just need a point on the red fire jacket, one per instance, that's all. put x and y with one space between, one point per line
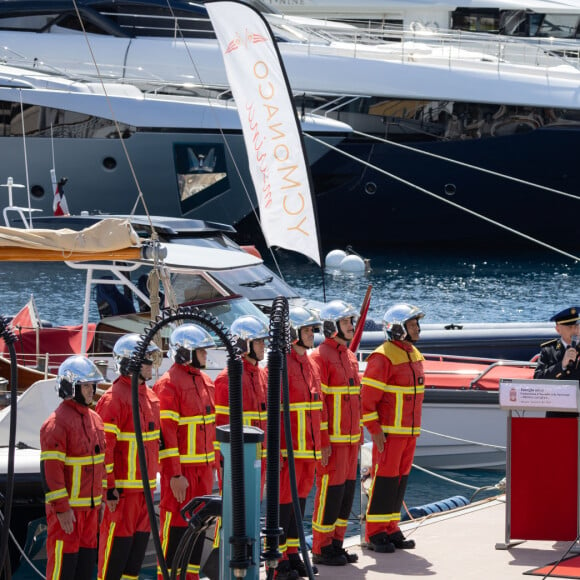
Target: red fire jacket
121 458
255 390
305 408
72 458
187 419
393 389
340 385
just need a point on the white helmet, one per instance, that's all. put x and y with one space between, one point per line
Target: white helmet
396 318
72 373
185 340
246 329
126 347
301 317
334 311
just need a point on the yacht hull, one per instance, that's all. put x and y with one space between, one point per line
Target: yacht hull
387 212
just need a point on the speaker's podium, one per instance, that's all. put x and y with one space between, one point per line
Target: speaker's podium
542 461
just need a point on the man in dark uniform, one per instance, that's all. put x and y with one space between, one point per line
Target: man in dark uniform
559 357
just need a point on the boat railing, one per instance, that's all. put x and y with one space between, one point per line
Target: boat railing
454 50
491 364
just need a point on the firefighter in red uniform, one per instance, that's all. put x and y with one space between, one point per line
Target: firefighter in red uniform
336 473
72 466
392 398
306 422
251 334
125 527
186 395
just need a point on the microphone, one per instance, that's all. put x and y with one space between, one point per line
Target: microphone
573 344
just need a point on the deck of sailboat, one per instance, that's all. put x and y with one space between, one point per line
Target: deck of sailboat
454 545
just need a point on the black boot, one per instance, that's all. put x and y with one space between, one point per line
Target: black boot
328 557
297 564
400 542
350 558
284 571
381 543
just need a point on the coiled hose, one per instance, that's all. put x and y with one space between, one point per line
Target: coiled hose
278 346
9 338
241 558
278 373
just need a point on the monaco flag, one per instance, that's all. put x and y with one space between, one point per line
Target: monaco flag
27 318
59 205
278 166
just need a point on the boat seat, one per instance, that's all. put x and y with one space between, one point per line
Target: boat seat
111 301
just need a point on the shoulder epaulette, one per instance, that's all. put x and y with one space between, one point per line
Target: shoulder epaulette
549 342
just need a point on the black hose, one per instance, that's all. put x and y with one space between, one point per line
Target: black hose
7 335
213 324
278 347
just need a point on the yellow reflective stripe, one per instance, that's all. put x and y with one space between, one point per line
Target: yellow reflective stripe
383 518
374 416
55 455
340 523
399 430
345 438
85 460
408 390
58 552
324 425
131 437
306 406
222 410
166 453
341 389
168 414
374 383
134 483
198 458
108 548
86 501
56 494
109 467
112 428
197 419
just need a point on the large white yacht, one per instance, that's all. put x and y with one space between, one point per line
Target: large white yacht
503 105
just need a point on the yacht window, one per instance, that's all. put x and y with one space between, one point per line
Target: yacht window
475 19
190 288
57 123
556 25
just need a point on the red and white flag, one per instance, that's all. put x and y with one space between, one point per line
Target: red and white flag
28 317
271 129
59 205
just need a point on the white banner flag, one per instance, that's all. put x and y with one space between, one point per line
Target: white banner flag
271 130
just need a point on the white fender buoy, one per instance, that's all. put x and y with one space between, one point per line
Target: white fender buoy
333 259
352 264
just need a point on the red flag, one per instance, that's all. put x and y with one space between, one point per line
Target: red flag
59 205
353 346
28 317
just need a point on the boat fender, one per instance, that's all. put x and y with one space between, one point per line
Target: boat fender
435 507
333 259
353 265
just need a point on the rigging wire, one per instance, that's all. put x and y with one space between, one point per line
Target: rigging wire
140 196
444 200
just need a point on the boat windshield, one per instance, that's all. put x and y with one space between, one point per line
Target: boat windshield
255 282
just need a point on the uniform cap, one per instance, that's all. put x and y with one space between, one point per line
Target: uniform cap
569 316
